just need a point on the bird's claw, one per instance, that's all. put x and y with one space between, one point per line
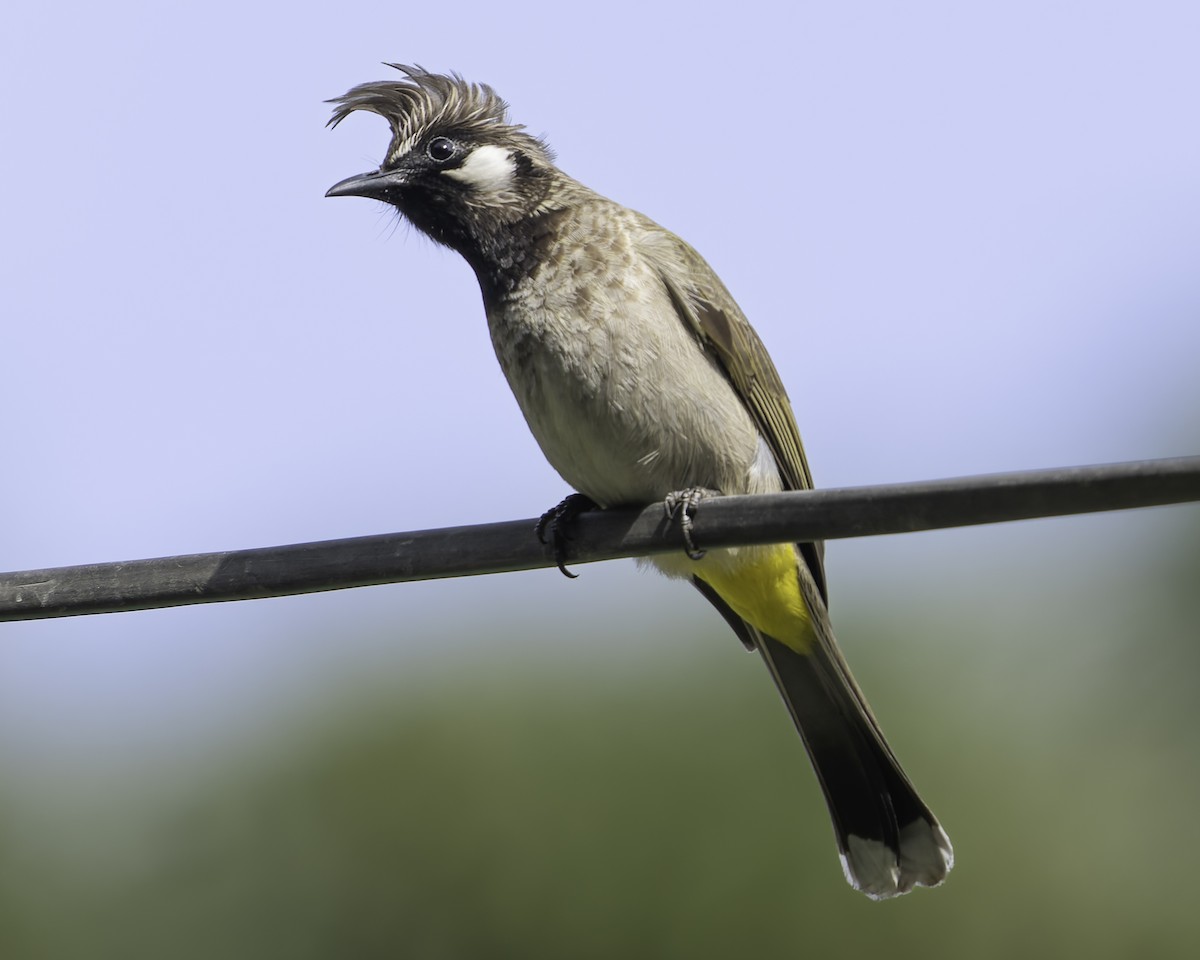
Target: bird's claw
553 527
680 505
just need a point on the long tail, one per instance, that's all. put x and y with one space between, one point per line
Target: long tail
888 839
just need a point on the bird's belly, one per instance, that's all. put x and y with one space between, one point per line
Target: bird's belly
626 410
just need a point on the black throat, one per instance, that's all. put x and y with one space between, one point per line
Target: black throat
501 241
501 249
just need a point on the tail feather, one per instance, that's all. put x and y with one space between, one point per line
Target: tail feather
888 840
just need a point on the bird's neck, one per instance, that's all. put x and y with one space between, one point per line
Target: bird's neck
504 256
503 243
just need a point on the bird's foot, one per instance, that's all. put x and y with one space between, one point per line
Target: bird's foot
553 527
680 505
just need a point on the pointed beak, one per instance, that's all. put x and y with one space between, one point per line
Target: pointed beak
376 185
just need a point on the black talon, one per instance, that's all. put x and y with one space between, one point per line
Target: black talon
680 505
557 520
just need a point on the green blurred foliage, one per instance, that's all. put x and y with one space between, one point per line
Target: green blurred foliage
499 804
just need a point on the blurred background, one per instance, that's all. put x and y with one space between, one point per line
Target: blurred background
969 235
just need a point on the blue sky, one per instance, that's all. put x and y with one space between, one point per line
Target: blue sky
969 235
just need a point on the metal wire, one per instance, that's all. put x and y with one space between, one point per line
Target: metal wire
599 535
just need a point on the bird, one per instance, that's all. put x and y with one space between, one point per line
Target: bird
642 381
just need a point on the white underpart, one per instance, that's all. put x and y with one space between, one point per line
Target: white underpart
764 471
488 169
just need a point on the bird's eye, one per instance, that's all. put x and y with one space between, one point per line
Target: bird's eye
441 149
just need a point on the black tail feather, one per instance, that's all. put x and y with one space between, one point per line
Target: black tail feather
888 839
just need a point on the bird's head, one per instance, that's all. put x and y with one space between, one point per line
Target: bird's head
456 167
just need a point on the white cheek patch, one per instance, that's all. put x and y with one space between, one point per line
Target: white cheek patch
488 168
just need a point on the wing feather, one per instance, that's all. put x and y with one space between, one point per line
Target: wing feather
707 308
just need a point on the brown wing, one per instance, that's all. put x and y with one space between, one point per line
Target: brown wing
708 309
